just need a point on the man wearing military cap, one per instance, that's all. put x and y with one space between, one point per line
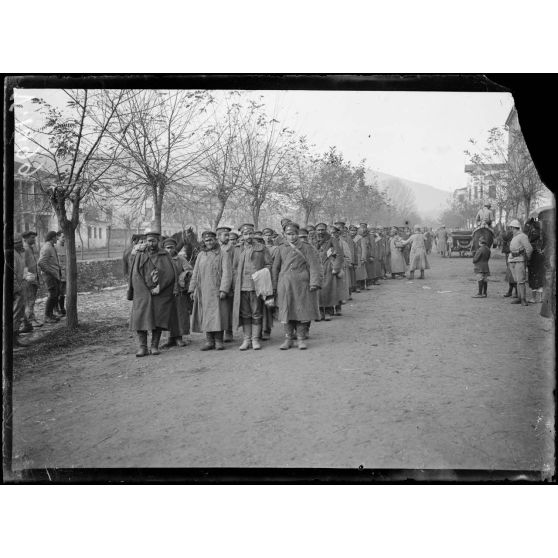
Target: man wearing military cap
50 267
183 272
152 287
32 280
209 288
331 259
247 305
223 235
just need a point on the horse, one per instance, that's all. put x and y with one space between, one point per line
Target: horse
188 242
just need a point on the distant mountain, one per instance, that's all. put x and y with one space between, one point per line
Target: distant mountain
430 200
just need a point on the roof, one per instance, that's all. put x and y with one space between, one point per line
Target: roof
485 167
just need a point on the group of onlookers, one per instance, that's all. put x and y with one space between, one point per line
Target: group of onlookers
32 269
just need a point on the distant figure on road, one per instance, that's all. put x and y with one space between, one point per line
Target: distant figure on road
442 241
485 215
398 265
417 256
482 271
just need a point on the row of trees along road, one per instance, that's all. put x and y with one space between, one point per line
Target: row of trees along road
193 154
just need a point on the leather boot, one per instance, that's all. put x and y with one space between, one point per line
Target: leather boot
247 333
142 343
228 336
170 342
301 334
209 341
510 291
337 310
155 338
256 333
289 331
219 346
479 294
421 274
485 288
411 275
523 294
266 335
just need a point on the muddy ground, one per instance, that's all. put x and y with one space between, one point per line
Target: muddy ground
413 375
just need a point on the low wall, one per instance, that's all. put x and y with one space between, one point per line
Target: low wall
94 275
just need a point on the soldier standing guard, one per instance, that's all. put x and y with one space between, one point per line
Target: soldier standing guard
520 252
152 287
247 305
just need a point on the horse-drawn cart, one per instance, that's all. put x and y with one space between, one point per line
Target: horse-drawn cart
462 242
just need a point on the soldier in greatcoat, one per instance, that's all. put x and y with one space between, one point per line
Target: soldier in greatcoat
332 262
152 287
50 267
209 288
182 301
296 277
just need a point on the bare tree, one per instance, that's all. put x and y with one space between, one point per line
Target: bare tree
518 179
161 133
221 171
75 161
264 147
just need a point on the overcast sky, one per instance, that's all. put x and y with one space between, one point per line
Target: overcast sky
419 136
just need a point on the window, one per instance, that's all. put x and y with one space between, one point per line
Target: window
89 234
476 191
94 232
492 191
100 232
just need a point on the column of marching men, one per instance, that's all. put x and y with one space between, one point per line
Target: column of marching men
246 280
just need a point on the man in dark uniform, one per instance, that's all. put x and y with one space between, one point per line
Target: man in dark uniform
152 286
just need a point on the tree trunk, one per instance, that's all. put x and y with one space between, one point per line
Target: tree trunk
527 203
220 211
71 276
256 215
307 212
157 209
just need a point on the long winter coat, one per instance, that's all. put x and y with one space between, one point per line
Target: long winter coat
345 283
360 269
153 311
212 274
295 270
260 258
329 293
228 250
480 260
182 300
417 256
354 261
48 260
397 259
376 251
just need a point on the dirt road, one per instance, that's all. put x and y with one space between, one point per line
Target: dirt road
413 375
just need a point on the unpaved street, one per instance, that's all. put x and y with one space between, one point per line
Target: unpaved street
413 375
